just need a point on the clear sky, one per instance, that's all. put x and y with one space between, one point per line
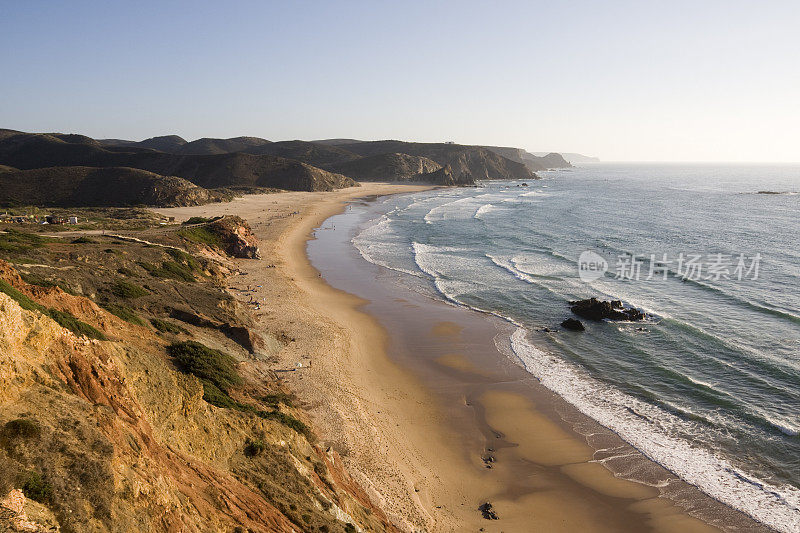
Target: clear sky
643 80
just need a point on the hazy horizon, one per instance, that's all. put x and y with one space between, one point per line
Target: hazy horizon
622 81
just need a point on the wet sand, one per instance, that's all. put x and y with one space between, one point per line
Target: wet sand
427 413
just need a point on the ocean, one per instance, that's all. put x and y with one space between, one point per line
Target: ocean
709 384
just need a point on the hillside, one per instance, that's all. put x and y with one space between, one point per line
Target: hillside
533 162
111 186
165 143
573 157
549 161
307 152
28 151
240 169
387 167
467 163
209 146
135 395
336 142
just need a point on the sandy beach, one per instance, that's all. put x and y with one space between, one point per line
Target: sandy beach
422 447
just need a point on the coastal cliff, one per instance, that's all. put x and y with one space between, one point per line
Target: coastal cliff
64 170
116 416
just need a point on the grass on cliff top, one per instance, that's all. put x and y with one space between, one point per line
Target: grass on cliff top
200 235
199 220
63 319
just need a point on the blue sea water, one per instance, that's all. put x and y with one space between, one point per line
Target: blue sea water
709 385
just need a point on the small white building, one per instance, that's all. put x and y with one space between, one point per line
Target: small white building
73 220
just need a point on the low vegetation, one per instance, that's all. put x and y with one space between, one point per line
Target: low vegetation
274 400
126 289
217 371
20 428
67 321
13 241
33 279
184 258
206 363
169 270
162 326
254 447
64 319
200 220
36 488
200 235
125 313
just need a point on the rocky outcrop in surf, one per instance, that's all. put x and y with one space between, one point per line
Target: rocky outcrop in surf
594 309
572 324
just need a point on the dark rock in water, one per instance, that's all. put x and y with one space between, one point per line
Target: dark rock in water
594 309
487 511
524 185
572 325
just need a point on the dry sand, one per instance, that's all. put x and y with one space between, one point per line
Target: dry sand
418 461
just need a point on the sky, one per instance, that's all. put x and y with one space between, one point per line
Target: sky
645 80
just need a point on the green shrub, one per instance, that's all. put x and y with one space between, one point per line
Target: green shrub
206 363
23 301
14 241
84 240
173 270
21 428
127 272
37 489
185 258
125 313
126 289
167 327
254 447
66 320
274 400
170 270
33 279
287 420
219 398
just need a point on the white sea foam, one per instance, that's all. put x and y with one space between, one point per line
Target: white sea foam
654 431
482 210
651 432
375 246
457 208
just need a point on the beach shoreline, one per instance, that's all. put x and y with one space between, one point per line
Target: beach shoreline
421 446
